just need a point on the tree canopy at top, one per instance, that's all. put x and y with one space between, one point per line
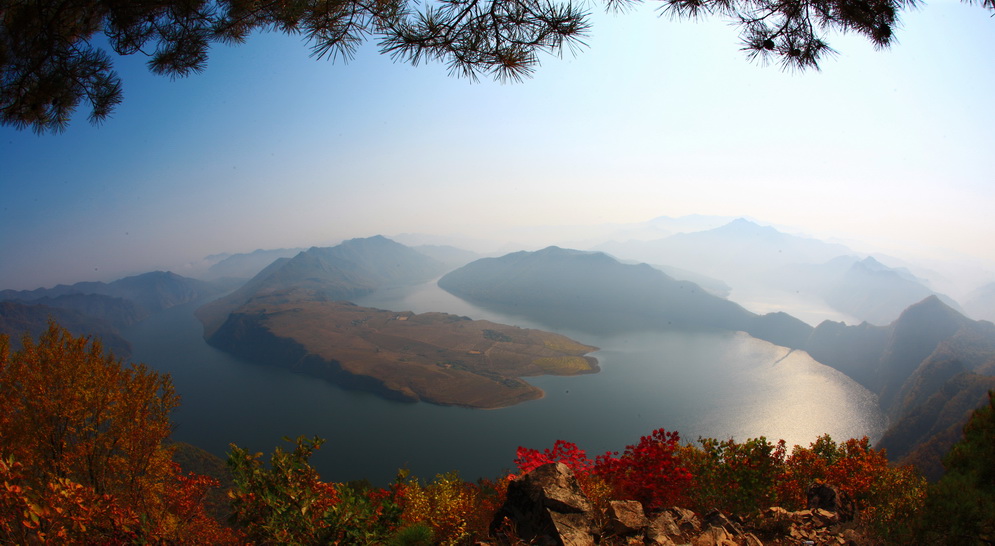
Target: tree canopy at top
49 64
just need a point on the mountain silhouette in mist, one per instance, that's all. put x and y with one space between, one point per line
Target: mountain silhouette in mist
248 265
929 368
876 293
980 303
739 249
351 269
593 292
150 292
18 319
746 255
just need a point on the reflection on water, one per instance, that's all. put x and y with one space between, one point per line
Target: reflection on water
700 384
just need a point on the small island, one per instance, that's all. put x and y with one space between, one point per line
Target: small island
438 358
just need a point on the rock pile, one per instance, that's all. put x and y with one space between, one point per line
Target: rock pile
548 507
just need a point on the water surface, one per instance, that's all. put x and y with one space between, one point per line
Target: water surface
700 384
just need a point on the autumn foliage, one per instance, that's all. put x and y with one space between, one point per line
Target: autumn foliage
84 458
648 471
83 455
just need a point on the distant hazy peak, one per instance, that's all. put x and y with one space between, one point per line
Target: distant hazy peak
872 264
934 308
589 257
350 269
150 276
744 226
362 241
556 250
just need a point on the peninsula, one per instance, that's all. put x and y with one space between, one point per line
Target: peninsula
432 357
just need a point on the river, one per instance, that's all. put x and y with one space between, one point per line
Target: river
701 384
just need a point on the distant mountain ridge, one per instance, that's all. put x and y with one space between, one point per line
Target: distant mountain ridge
746 255
592 291
97 308
351 269
248 265
18 319
749 247
876 293
931 359
930 368
151 292
980 303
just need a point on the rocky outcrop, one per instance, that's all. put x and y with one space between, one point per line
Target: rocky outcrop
548 507
829 499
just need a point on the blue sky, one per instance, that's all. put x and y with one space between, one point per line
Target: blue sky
271 148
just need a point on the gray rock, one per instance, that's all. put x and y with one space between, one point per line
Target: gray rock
547 506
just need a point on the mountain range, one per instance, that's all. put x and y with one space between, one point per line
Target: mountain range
351 269
146 293
97 308
929 367
293 314
747 256
980 303
928 364
594 292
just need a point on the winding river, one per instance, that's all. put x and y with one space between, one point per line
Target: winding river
700 384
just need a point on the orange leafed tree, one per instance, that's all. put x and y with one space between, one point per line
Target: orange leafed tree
81 436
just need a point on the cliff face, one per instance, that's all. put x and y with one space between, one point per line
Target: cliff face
853 350
885 358
930 369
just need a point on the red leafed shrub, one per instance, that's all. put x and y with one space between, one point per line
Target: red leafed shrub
648 472
563 452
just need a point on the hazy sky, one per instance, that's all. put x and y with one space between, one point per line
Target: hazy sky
270 148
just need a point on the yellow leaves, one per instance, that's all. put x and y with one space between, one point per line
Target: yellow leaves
447 505
32 515
84 415
87 433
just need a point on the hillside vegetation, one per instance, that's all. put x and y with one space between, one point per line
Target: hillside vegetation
86 459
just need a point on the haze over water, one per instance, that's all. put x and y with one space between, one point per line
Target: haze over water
700 384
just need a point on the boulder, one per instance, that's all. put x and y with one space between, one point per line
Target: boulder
830 499
673 525
547 506
625 518
716 518
714 536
